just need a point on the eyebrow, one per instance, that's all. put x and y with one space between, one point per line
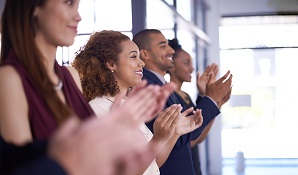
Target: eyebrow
134 51
162 42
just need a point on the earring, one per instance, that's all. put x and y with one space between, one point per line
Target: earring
112 71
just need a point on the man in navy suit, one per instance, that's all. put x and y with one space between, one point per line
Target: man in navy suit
157 55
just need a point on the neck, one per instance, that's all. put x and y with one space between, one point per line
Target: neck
48 52
122 88
177 82
157 70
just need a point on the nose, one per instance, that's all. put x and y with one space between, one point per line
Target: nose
171 50
141 63
78 17
192 68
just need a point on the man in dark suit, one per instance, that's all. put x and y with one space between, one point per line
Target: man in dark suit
157 55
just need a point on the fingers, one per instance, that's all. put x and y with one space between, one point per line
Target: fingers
187 111
228 83
138 87
139 106
198 77
67 129
166 117
166 112
172 115
207 70
215 70
198 117
223 78
145 101
165 92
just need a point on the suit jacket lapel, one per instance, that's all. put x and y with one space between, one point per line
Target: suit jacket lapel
151 76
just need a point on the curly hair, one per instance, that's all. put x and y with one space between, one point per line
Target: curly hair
91 63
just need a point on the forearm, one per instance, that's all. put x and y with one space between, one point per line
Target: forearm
166 150
148 155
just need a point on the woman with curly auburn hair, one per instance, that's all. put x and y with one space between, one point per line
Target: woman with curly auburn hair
91 62
110 64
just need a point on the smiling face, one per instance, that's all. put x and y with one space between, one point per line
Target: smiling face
160 53
128 71
183 67
57 21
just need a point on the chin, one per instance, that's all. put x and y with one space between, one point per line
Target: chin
68 40
137 82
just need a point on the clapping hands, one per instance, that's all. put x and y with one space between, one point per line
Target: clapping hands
185 124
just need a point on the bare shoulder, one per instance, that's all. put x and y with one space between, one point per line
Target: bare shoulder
9 77
11 85
15 126
75 75
72 70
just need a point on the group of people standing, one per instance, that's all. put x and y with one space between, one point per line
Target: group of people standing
111 112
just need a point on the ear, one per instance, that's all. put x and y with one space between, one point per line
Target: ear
112 66
36 11
144 54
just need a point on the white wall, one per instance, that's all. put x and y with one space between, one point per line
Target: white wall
247 7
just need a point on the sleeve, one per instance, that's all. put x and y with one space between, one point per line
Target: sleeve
43 165
199 98
29 159
209 112
100 107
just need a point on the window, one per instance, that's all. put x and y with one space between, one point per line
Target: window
261 111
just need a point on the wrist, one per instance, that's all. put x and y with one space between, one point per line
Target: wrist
157 143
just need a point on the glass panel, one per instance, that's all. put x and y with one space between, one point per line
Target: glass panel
263 103
170 2
113 15
59 55
169 34
80 41
129 34
259 32
159 16
260 119
86 10
184 8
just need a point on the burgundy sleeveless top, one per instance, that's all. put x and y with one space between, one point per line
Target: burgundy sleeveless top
42 120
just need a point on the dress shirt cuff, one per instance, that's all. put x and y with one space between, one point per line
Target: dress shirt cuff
212 100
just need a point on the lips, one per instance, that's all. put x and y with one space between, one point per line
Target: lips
74 28
140 73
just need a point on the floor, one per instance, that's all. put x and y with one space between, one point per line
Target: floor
261 171
262 167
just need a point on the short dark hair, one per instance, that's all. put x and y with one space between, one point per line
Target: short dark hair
143 39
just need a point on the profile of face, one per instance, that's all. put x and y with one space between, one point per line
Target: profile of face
183 67
57 22
160 52
128 71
